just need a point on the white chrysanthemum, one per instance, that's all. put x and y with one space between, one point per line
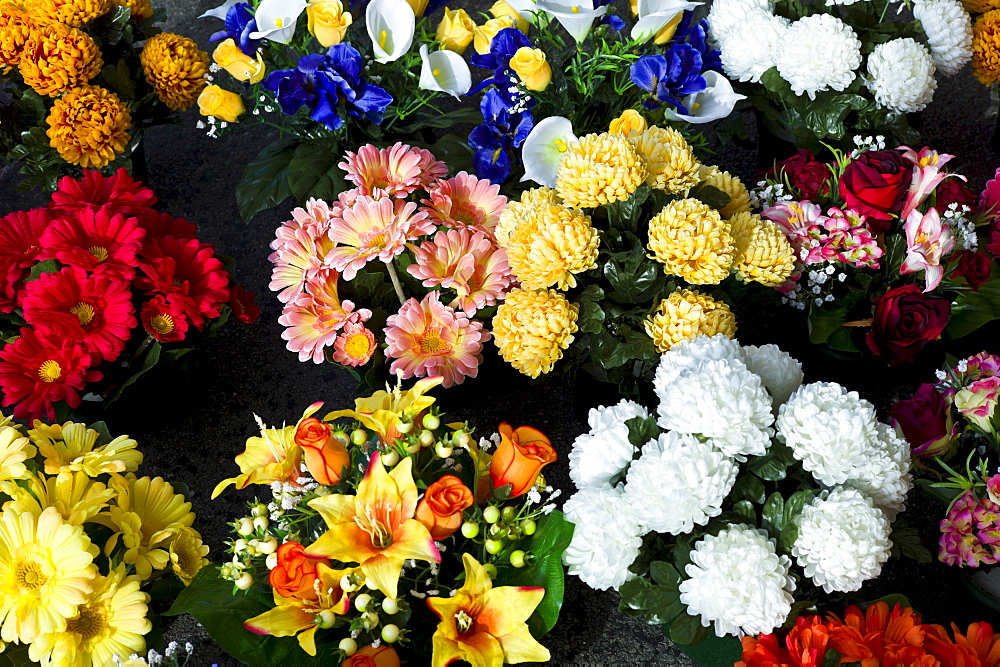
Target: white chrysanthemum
901 75
831 430
605 450
689 355
678 482
818 52
749 48
843 540
949 32
737 581
606 539
723 15
886 477
780 373
721 400
831 3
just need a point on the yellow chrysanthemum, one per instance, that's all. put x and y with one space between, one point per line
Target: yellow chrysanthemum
147 518
516 212
986 47
187 554
670 161
686 314
110 623
89 126
550 246
533 327
58 58
980 6
14 451
46 570
763 253
70 12
141 9
77 497
599 169
16 29
70 448
692 241
176 69
739 196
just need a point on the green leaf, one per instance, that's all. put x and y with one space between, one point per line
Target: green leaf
657 601
104 436
150 360
454 150
710 195
973 309
748 487
634 278
591 316
774 514
714 650
468 114
48 266
313 168
826 319
793 507
907 539
15 655
550 540
642 430
825 116
769 467
687 629
625 214
265 180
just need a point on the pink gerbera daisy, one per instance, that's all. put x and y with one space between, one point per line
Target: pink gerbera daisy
315 316
40 368
96 240
354 346
427 338
465 201
395 171
466 261
373 228
119 193
431 169
187 272
297 259
93 309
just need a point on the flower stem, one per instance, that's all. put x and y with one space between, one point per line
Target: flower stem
395 282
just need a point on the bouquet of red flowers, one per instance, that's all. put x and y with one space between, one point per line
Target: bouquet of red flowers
94 286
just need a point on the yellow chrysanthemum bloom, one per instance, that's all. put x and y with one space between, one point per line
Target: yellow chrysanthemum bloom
89 126
70 12
599 169
70 448
670 161
692 241
533 327
763 253
686 314
187 554
516 212
986 48
58 58
110 624
77 497
14 451
176 69
980 6
16 29
552 245
739 196
46 570
141 9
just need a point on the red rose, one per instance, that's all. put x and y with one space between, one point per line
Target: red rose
905 320
974 266
954 191
805 173
925 421
873 185
994 245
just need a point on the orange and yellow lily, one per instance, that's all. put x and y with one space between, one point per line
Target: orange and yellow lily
384 411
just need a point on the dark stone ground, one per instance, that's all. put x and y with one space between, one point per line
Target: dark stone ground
190 425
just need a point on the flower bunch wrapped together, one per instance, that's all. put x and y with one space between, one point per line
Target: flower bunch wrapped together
353 555
401 211
71 598
733 426
91 288
885 239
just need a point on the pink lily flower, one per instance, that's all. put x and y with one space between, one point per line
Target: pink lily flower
926 176
927 241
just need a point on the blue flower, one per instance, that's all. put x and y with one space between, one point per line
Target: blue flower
240 23
326 82
696 35
504 128
669 77
503 47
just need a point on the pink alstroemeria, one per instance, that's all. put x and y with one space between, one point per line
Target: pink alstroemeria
927 175
927 241
993 488
795 219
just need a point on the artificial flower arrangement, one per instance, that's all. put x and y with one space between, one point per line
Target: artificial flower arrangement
331 81
821 73
350 560
96 288
88 551
891 251
779 493
82 81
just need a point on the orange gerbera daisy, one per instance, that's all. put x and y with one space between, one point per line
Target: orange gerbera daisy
354 346
804 646
878 636
978 646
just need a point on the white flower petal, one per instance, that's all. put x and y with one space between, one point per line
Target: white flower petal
390 24
544 148
717 100
444 71
220 11
654 14
276 19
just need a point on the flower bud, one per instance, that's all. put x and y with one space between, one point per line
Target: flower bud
327 21
271 561
245 526
348 646
442 450
245 581
455 30
260 523
390 633
390 606
361 602
242 67
532 68
220 103
326 619
268 546
390 458
630 121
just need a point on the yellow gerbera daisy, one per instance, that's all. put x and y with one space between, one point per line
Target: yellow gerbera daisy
692 241
187 554
551 245
516 212
14 451
58 58
70 448
670 161
686 314
71 12
599 169
77 497
533 327
763 253
88 126
46 570
176 69
739 196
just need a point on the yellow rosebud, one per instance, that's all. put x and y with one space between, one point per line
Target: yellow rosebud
455 30
328 22
532 68
483 35
220 103
242 67
501 8
418 7
630 121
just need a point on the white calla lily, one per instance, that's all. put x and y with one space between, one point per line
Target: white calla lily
715 102
444 71
220 11
544 148
276 19
391 24
655 14
577 16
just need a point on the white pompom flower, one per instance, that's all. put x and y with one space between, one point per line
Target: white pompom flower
886 477
843 540
901 75
749 48
723 15
690 355
678 482
605 450
818 52
737 581
949 32
606 538
778 370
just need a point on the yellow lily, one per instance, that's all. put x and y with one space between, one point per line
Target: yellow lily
296 617
375 528
484 625
384 411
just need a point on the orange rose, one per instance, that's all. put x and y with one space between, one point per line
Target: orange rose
369 656
294 574
325 455
519 458
442 505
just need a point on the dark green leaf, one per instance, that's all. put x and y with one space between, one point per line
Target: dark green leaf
150 360
48 266
744 511
710 195
826 319
547 545
312 163
793 507
454 150
265 180
625 214
714 650
973 309
825 116
468 114
843 339
907 539
893 599
657 601
15 655
590 318
687 629
748 487
634 278
642 430
105 435
773 514
769 467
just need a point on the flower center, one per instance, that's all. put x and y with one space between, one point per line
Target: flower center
279 23
99 252
561 145
463 621
467 213
84 311
91 622
162 323
575 9
431 343
377 527
49 371
357 346
377 241
435 72
382 39
28 575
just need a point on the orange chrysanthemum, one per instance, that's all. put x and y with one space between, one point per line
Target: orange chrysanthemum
71 12
89 126
176 69
141 9
986 47
16 28
58 58
878 636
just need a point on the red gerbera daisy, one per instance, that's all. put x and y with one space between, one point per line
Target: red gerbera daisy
158 224
40 368
244 309
97 241
164 320
93 309
20 234
187 272
120 193
11 281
